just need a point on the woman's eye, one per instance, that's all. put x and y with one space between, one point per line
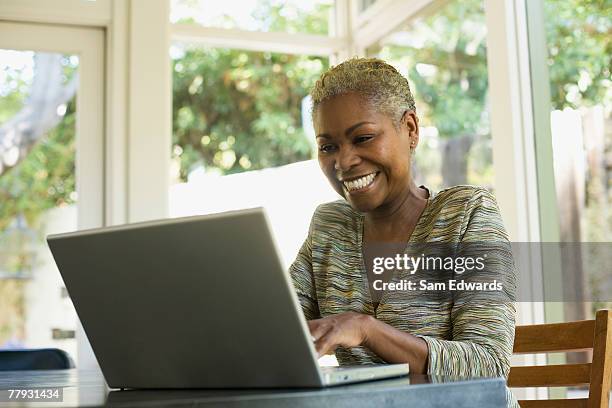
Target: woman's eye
326 148
361 139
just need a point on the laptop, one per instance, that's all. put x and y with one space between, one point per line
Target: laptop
194 302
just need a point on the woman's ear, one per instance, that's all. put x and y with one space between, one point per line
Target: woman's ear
410 122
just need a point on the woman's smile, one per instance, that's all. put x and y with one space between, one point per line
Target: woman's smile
359 185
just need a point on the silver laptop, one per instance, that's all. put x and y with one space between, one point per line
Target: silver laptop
195 302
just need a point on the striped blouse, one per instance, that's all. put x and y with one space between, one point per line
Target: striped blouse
464 338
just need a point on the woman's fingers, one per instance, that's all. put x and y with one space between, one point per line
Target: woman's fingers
327 343
330 332
318 328
320 331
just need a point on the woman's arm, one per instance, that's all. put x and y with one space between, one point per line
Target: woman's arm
481 345
482 331
395 346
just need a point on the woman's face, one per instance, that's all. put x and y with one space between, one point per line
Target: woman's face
363 155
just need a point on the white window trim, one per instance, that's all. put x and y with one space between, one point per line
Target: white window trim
380 20
351 33
149 120
522 150
301 44
65 12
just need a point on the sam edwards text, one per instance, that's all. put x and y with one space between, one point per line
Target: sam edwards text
450 285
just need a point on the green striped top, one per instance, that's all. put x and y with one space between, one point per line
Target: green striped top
464 338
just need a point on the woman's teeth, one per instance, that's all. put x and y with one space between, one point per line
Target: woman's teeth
359 183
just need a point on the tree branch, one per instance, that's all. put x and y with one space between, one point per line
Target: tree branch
40 112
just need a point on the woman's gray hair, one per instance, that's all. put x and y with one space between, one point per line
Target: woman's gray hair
379 83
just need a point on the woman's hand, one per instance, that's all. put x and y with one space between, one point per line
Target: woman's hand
352 329
347 329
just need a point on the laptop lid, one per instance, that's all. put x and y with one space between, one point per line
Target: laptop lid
194 302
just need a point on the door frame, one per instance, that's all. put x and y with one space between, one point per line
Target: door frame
88 44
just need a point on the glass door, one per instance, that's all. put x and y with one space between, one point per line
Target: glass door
51 175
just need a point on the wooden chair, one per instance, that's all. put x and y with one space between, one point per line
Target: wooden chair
573 336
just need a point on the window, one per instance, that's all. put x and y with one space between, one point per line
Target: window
236 111
577 35
38 197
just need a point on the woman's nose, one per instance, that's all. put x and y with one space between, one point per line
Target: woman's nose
345 159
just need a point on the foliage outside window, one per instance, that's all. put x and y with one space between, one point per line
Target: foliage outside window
236 110
578 35
40 177
44 178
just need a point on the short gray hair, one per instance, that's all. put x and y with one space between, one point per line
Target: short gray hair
378 82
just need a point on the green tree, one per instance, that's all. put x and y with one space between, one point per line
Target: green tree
578 33
237 110
44 178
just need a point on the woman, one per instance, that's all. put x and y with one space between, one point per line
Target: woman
367 131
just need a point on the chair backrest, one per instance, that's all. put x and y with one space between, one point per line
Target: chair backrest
35 359
561 337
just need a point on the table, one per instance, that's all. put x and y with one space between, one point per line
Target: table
88 388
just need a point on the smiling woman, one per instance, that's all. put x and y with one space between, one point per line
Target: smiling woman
367 131
363 153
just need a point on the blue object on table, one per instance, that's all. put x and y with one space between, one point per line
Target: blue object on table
35 359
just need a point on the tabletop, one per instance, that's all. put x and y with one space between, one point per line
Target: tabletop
88 388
